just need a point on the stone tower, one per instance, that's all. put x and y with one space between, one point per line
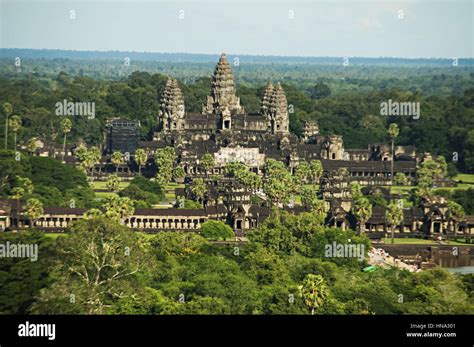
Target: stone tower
265 104
332 148
223 100
172 107
310 132
279 111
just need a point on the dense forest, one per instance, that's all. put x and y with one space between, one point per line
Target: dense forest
282 270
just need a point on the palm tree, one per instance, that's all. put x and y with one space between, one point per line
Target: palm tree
23 187
314 292
113 183
66 126
198 188
116 159
315 170
7 111
393 132
93 157
393 217
362 211
207 162
179 174
455 213
34 210
14 124
140 157
164 159
31 145
320 209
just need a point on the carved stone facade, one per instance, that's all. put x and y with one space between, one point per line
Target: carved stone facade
172 107
224 123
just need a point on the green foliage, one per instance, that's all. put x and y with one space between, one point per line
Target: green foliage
50 172
400 179
21 279
99 263
143 190
216 230
112 270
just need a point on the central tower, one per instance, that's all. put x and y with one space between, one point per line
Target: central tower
223 101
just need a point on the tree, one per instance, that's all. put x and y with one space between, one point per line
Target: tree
319 91
430 171
7 109
314 292
164 159
98 263
315 170
66 126
302 172
118 208
93 213
141 158
116 159
198 188
22 279
92 157
34 210
356 190
113 183
400 179
15 124
455 213
393 217
179 174
23 187
216 230
279 187
31 145
392 132
207 162
309 199
362 211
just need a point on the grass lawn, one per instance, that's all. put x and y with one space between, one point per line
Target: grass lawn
55 235
416 241
103 195
465 178
400 189
102 184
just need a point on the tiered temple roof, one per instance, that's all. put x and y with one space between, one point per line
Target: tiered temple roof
223 90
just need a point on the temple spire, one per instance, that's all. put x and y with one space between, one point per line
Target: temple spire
172 107
278 110
222 90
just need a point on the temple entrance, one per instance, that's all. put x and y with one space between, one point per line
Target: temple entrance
226 124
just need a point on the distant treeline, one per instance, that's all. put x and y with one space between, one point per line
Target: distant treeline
203 58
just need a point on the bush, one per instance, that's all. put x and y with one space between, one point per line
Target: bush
145 198
216 230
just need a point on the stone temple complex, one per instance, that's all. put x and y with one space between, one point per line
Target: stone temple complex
229 133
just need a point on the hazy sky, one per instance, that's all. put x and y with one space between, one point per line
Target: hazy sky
428 28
